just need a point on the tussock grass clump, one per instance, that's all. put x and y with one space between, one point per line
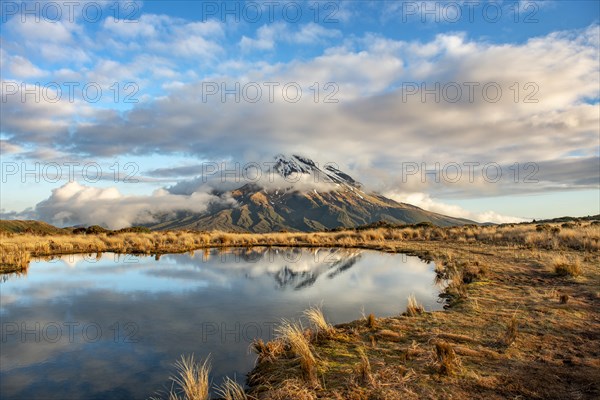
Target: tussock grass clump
191 379
293 335
231 390
317 319
446 359
269 351
413 308
362 370
371 322
389 335
456 291
439 268
14 259
512 331
564 267
471 273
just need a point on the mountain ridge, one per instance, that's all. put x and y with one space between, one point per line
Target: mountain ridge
305 198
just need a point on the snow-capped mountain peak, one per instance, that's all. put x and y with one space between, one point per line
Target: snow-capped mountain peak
322 197
328 172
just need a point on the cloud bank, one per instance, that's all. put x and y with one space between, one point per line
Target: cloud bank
75 204
424 201
550 114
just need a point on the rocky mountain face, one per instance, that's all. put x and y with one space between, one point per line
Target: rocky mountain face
306 197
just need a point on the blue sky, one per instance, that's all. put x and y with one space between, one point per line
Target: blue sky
386 87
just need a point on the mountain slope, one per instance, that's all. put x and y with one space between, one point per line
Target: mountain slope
29 226
308 198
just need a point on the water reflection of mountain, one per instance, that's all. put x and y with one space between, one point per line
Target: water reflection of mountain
287 277
293 268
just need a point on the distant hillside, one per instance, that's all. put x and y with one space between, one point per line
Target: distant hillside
29 226
40 227
567 219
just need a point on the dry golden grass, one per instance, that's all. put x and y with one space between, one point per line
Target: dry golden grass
371 321
292 334
191 379
512 331
413 308
456 290
14 260
317 320
564 267
290 389
231 390
16 248
362 370
267 351
446 359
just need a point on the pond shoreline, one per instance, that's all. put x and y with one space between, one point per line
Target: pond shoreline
515 324
515 327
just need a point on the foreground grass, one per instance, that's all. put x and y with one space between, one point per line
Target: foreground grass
522 318
507 333
192 382
191 379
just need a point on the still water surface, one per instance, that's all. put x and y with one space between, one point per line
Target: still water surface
110 326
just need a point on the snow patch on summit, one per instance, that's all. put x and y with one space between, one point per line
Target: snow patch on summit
295 167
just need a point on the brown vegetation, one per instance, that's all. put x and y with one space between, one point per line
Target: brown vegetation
413 308
565 267
191 380
371 322
446 360
480 347
512 330
317 319
294 338
16 249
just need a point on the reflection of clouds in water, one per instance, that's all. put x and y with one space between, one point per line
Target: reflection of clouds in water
256 262
88 372
7 300
297 268
69 260
116 272
183 304
169 325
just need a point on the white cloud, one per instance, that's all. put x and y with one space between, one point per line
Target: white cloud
424 201
74 204
313 33
168 35
8 148
20 67
145 26
268 35
369 74
42 30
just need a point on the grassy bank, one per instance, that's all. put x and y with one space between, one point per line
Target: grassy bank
17 249
516 327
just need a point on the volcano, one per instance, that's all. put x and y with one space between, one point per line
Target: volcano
305 197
